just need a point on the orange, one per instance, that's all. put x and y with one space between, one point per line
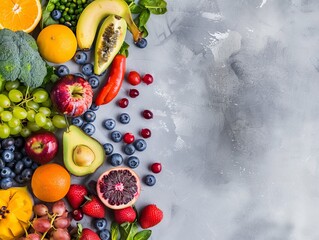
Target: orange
50 182
20 14
57 43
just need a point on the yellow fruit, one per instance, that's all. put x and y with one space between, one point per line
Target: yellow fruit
50 182
21 15
57 43
16 210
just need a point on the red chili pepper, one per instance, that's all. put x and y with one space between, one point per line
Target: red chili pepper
114 81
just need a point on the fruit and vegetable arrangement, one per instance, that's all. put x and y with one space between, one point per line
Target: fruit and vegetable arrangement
46 108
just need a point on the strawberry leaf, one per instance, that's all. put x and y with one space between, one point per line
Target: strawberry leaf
143 235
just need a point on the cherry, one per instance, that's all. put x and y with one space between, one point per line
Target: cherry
134 78
148 79
147 114
77 214
146 133
128 138
156 167
123 103
133 93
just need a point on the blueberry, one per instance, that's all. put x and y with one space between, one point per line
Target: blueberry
116 159
12 175
89 116
7 156
62 70
87 69
105 234
10 164
94 107
56 14
133 162
124 118
34 166
7 142
27 162
108 148
6 183
94 82
109 124
88 128
5 172
77 121
79 75
11 148
129 149
26 174
18 167
19 179
17 156
23 151
19 142
150 180
141 43
116 136
80 57
140 145
100 224
2 164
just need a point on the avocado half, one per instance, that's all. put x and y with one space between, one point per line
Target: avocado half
74 139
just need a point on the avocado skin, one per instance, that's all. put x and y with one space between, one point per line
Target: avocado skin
73 137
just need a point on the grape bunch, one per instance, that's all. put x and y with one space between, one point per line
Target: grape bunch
23 111
49 222
16 168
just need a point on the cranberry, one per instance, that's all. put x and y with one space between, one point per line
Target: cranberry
148 79
134 78
156 167
146 133
128 138
77 214
147 114
133 93
123 103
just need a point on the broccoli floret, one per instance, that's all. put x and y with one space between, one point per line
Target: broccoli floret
20 59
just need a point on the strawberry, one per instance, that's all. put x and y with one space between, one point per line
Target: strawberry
150 216
127 214
94 207
88 234
76 195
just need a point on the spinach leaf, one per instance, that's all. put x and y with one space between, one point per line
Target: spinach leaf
157 7
46 15
135 8
143 235
114 231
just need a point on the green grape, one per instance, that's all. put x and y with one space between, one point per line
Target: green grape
4 101
15 95
25 132
4 130
47 103
5 93
14 122
1 109
15 130
33 127
59 121
40 119
32 105
30 115
46 111
19 112
40 95
6 116
48 124
12 85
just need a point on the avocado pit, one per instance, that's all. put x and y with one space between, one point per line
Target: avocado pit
83 155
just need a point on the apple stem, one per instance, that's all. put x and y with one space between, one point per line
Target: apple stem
67 123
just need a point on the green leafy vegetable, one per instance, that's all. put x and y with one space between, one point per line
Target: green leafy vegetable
157 7
114 231
143 235
46 15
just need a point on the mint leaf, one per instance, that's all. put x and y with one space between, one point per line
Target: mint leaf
143 235
114 231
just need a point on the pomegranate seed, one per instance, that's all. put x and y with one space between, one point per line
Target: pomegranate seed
147 114
133 93
156 167
123 103
77 214
146 133
128 138
148 79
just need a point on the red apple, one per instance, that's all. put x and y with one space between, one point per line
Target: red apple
72 95
41 147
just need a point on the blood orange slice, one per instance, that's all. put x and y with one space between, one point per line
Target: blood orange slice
21 15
